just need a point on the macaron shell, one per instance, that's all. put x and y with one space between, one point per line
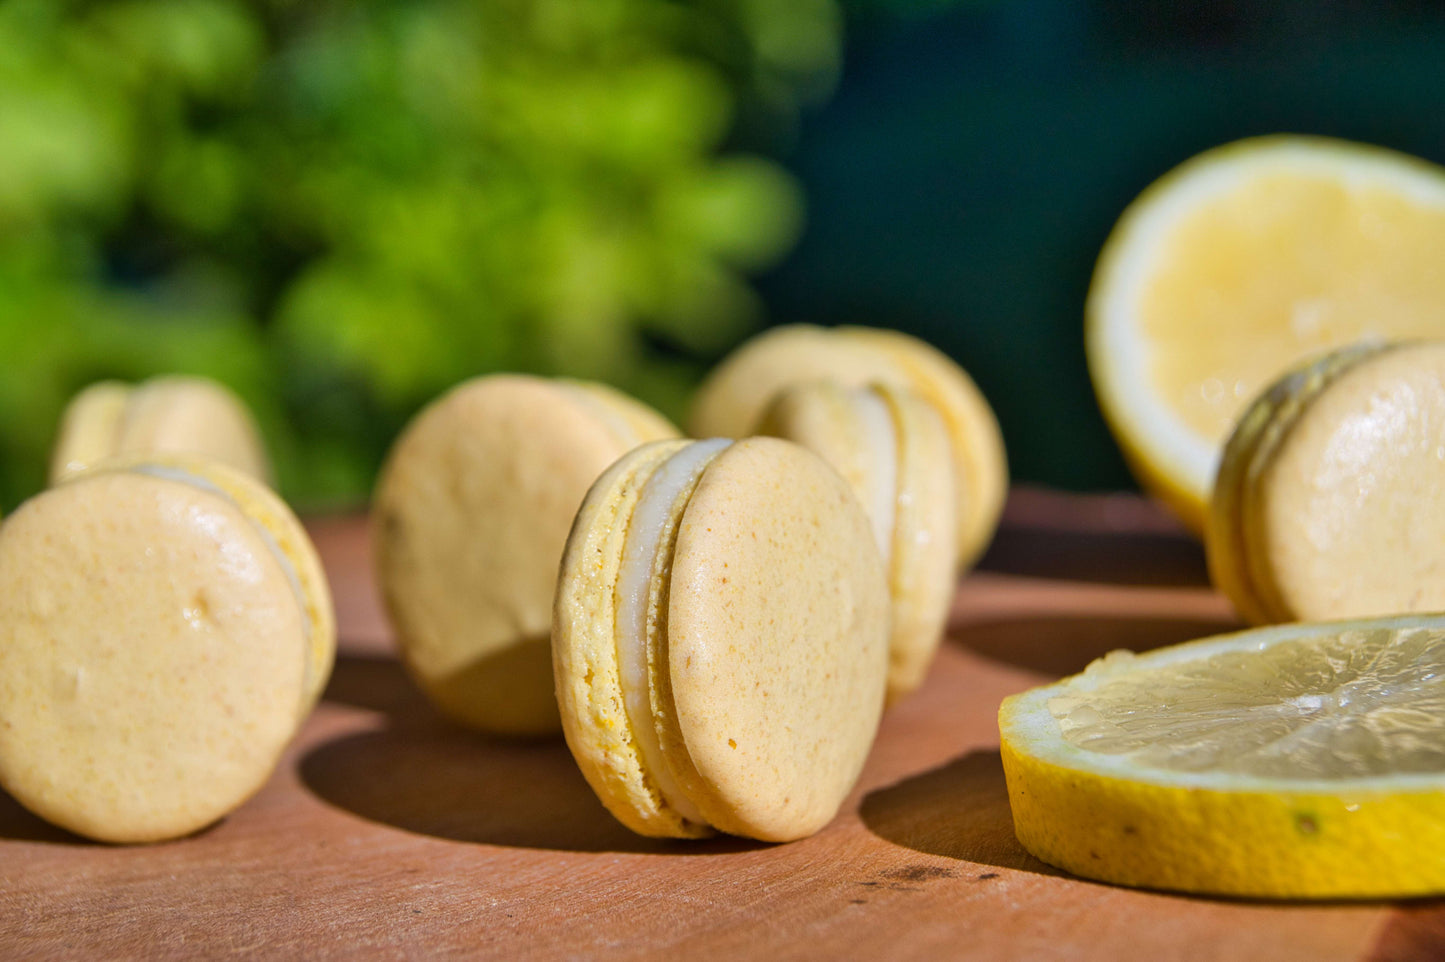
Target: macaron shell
977 441
192 415
471 515
819 416
266 508
777 628
731 400
1223 532
922 579
153 657
1238 564
584 649
89 428
640 422
922 538
1349 511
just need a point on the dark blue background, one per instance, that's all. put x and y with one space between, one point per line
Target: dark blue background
974 157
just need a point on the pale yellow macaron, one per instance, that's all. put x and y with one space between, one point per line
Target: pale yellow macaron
171 414
1327 501
893 450
468 523
720 639
165 630
732 400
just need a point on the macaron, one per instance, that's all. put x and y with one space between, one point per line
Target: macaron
1326 504
720 639
165 630
469 518
893 450
732 399
173 413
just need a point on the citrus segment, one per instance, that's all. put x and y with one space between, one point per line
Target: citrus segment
1298 761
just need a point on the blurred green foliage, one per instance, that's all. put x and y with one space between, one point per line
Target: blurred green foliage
341 208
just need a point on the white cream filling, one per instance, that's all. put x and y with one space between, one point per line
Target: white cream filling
645 533
169 473
880 441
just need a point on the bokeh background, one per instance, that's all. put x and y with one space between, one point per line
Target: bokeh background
341 208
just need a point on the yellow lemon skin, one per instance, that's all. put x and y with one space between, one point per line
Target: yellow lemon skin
1262 845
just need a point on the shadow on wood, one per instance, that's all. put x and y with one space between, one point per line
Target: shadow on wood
1065 644
17 824
425 775
451 784
1103 557
958 811
1415 930
378 683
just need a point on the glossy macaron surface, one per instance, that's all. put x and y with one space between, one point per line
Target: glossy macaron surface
1326 501
155 658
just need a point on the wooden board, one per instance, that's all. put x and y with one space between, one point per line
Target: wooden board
387 833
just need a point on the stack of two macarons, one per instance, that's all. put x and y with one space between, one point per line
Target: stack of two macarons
909 431
165 619
720 630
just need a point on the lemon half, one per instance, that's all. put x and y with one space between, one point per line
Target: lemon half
1303 761
1237 266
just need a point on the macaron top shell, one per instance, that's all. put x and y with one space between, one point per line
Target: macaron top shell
284 535
470 517
175 414
89 428
776 628
766 643
732 398
155 656
1348 509
731 401
982 463
894 451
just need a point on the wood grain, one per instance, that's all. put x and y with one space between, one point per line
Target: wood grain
387 833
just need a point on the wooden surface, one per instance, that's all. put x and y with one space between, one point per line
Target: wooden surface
387 833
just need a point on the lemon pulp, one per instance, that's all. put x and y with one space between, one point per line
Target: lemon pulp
1287 264
1360 703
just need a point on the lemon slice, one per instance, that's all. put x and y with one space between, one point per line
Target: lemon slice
1303 761
1237 266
